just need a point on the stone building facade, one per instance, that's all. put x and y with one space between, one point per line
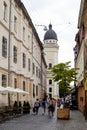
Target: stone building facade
22 63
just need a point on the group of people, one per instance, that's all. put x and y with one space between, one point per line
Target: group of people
60 103
49 104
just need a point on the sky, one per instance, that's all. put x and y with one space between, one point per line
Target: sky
63 15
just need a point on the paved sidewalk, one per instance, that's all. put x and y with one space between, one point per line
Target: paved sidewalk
44 122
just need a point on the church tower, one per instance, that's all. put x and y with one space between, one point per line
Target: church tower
51 55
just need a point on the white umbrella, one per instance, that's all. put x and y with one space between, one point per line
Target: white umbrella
10 89
2 89
18 90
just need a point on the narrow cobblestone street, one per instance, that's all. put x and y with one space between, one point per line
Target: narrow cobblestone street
44 122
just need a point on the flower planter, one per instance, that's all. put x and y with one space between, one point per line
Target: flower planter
63 113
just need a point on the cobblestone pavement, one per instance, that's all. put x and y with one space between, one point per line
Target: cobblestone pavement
44 122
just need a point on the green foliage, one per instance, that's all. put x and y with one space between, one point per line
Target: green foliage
63 74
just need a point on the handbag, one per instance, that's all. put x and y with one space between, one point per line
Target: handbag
34 110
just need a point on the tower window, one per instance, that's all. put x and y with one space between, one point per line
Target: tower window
50 65
50 81
50 89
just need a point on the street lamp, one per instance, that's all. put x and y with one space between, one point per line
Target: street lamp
45 27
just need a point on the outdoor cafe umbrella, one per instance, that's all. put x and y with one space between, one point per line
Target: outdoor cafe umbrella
13 90
2 89
10 89
18 90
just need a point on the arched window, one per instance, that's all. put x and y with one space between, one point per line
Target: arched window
24 85
36 90
33 91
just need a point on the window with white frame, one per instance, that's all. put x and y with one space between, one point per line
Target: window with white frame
4 11
24 33
15 54
24 85
28 64
15 23
36 71
4 47
24 60
33 91
29 41
39 73
15 82
36 90
33 68
4 80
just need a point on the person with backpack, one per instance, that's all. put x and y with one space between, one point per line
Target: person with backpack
44 105
36 106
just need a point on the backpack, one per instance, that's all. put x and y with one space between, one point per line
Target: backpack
36 104
34 110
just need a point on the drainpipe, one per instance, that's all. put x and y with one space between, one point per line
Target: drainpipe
41 74
8 83
9 42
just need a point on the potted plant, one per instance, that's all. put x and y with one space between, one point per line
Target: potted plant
28 107
24 107
15 107
20 107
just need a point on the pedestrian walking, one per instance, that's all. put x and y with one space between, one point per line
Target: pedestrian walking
36 106
58 103
50 107
44 105
54 103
